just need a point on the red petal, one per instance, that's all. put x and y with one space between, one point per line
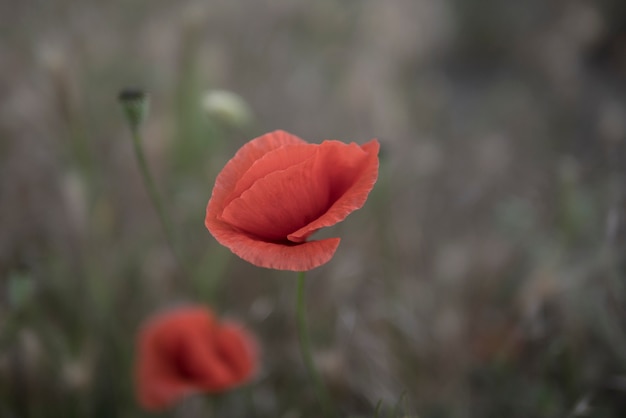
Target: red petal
237 350
186 351
203 365
301 257
275 160
242 161
352 172
280 203
243 213
159 382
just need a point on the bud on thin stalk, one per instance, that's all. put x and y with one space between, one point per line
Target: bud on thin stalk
135 105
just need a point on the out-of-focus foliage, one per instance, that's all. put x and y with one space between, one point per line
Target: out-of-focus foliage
484 278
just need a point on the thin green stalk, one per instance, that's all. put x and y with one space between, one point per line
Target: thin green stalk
154 196
305 349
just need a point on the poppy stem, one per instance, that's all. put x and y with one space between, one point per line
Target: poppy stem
305 348
154 195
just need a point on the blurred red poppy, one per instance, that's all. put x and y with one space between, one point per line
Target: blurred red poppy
278 190
186 351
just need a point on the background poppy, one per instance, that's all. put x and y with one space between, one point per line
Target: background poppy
186 351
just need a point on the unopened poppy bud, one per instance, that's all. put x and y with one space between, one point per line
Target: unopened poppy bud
227 107
135 104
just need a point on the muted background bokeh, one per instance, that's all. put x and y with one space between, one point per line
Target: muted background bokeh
485 277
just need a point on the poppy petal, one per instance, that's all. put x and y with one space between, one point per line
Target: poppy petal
271 255
352 175
202 364
237 350
188 351
278 190
280 203
159 383
273 161
157 386
242 161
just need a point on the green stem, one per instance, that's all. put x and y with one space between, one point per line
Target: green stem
154 196
305 349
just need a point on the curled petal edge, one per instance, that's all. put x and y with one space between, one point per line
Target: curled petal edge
243 160
278 256
354 198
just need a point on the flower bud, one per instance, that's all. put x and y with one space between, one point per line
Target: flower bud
227 107
135 105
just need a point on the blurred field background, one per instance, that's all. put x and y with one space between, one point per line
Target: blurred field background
485 277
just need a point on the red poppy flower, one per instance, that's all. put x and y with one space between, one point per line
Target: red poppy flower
278 190
187 350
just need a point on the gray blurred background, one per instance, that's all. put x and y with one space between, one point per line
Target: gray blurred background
483 278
